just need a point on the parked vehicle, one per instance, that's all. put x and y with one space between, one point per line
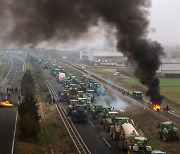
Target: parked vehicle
116 126
104 114
95 110
61 77
109 120
140 146
167 131
127 136
137 95
79 113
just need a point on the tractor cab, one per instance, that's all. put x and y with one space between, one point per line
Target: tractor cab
91 93
168 125
167 131
84 101
141 145
82 87
71 106
102 115
121 120
80 94
73 89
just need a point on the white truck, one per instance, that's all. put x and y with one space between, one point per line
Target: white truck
127 135
61 77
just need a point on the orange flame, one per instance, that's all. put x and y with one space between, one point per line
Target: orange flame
156 107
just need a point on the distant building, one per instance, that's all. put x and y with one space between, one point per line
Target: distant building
101 55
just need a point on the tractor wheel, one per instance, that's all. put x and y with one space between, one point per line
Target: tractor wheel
177 136
165 139
121 145
106 129
73 119
114 136
110 133
160 135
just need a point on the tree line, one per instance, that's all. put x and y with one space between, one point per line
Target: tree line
28 110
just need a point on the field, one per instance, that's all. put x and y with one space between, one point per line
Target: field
170 87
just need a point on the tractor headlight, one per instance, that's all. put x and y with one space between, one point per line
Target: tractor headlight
135 148
148 148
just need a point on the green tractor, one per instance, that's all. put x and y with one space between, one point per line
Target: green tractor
82 87
140 146
116 125
103 114
80 94
74 79
95 110
73 91
109 120
79 113
71 106
84 101
167 131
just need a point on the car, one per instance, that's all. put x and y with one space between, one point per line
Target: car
157 152
116 74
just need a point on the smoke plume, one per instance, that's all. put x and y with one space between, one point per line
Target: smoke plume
35 21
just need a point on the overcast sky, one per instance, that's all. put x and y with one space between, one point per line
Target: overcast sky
165 18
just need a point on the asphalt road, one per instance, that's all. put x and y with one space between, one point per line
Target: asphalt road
8 116
97 140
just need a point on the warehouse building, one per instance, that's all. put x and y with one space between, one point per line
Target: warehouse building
101 55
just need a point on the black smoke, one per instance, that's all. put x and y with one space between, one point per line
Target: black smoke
36 21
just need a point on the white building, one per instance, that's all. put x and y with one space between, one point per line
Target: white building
101 55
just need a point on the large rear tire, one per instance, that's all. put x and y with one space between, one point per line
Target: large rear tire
164 137
110 133
160 135
121 145
114 136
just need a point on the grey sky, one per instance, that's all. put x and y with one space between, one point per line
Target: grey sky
165 19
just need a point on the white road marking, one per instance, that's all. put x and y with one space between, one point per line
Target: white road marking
91 124
7 74
173 114
106 142
14 136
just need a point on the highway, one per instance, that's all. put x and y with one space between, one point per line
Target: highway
95 138
9 116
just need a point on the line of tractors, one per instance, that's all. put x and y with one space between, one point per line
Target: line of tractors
81 99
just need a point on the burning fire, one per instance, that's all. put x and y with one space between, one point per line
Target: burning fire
156 107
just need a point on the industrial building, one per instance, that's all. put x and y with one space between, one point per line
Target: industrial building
101 55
